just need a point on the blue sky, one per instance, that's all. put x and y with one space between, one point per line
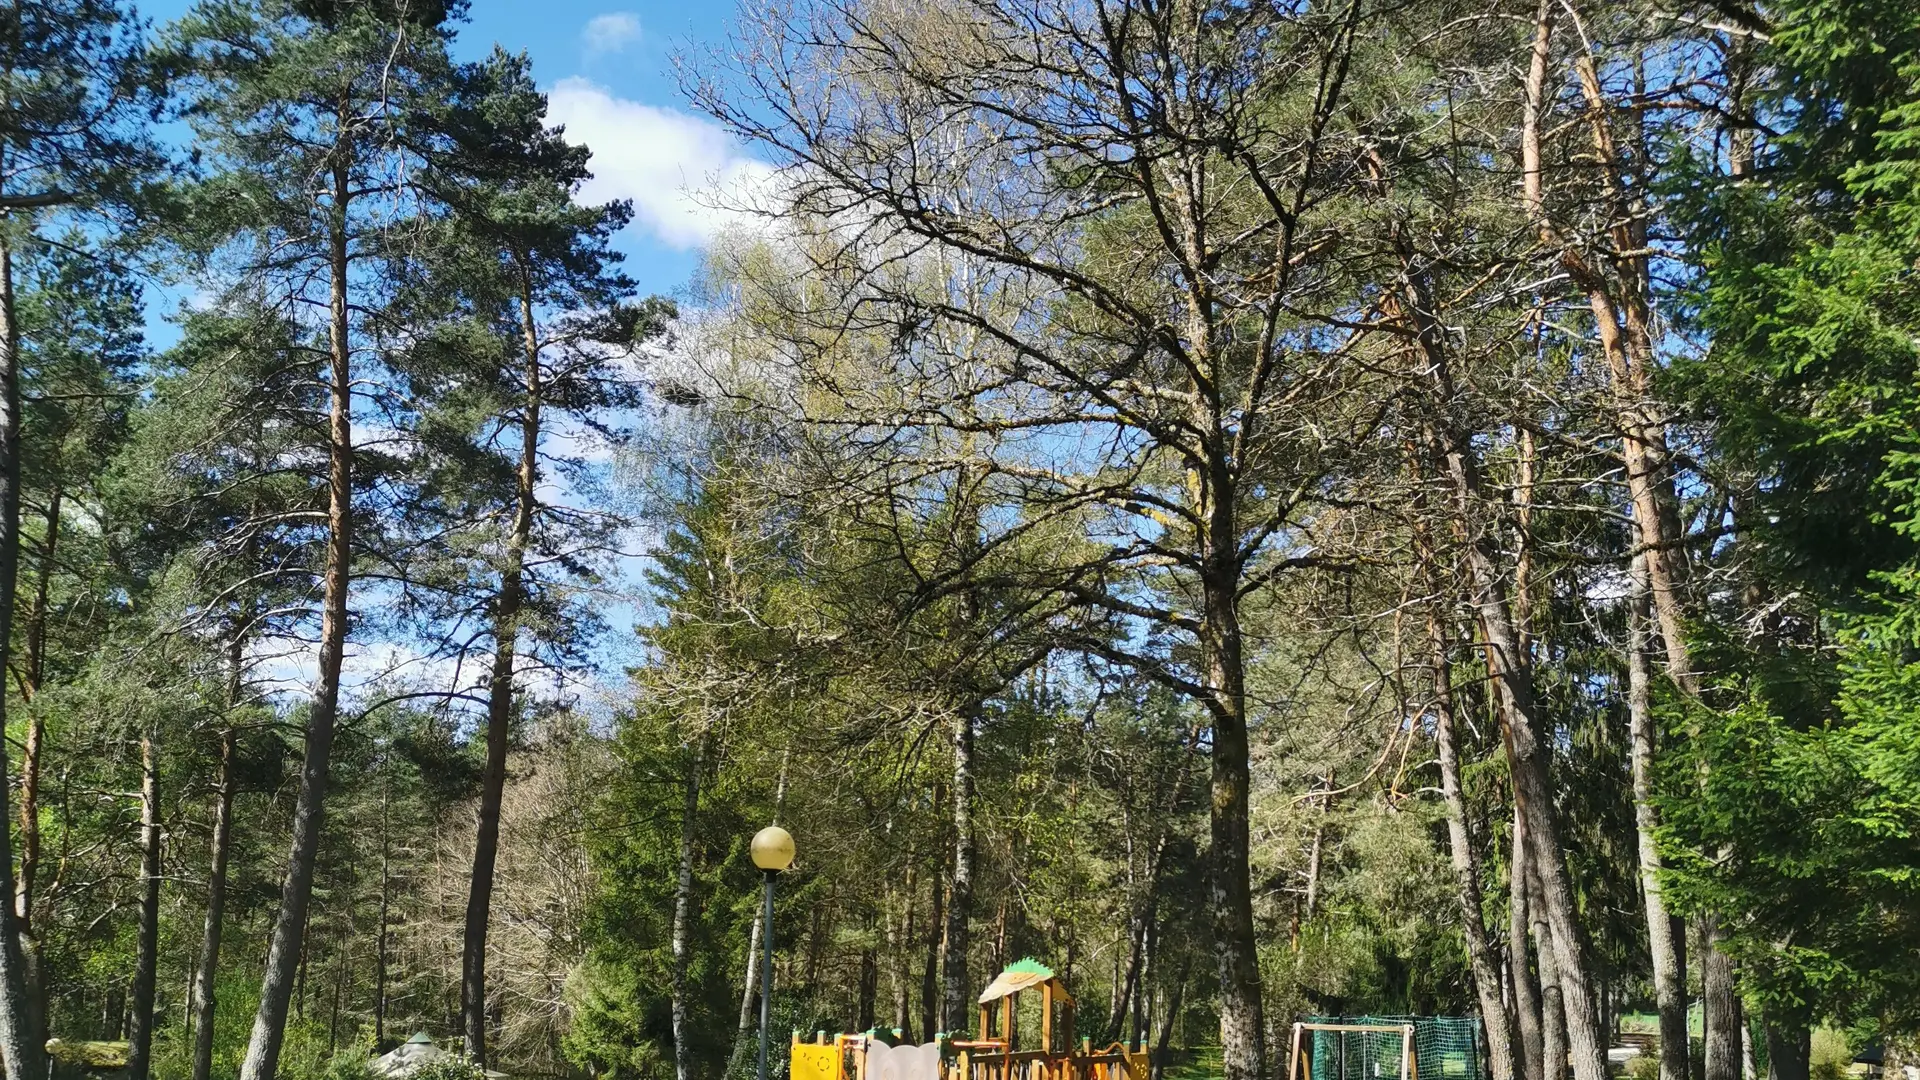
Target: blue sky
608 67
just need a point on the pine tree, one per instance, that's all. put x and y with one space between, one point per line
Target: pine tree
283 92
70 137
527 340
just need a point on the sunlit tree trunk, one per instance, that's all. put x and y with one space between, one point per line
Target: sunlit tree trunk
956 1001
207 973
287 946
500 697
1526 992
1669 978
146 959
21 1049
1466 865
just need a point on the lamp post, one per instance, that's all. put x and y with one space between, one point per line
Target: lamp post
772 850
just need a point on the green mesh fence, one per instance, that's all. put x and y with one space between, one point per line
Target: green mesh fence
1445 1048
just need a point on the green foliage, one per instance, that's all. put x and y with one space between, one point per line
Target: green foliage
450 1068
1803 818
916 481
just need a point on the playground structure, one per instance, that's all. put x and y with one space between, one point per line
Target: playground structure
1386 1048
997 1054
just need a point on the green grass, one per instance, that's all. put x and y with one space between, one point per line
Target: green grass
1198 1063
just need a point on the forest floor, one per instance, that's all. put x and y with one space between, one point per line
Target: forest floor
1198 1063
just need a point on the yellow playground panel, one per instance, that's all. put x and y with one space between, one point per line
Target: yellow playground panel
816 1061
996 1055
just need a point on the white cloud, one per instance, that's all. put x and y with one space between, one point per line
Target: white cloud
686 177
610 33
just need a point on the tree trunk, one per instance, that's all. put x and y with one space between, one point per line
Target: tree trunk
1553 1006
1242 1013
1669 978
1145 902
207 973
869 985
1624 320
382 928
1533 794
682 909
743 1034
1157 1062
1466 866
1312 901
36 727
342 971
1526 993
1789 1046
1719 1005
1511 670
21 1050
147 949
1142 994
262 1060
1129 983
930 968
500 689
899 958
956 1001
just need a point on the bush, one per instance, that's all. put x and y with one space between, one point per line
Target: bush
1646 1066
449 1068
350 1064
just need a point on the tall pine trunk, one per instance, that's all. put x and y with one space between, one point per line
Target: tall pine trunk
1144 899
1533 794
1553 1004
743 1031
383 927
21 1049
147 949
1466 865
1509 666
1526 992
1669 977
867 992
1624 320
284 954
899 954
930 964
1719 1006
1243 1029
207 972
32 753
500 689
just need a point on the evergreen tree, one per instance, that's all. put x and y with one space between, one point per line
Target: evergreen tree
280 93
527 341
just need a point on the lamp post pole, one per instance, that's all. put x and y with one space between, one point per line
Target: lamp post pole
772 851
766 969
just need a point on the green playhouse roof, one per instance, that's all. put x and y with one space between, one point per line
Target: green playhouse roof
1021 975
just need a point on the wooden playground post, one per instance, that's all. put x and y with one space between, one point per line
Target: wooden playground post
1046 1018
